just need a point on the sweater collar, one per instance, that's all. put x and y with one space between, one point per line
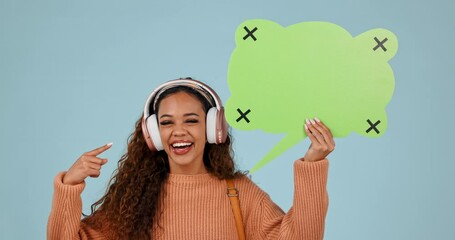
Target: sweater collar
190 181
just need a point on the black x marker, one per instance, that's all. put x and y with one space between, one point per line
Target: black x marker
243 115
380 44
373 126
250 33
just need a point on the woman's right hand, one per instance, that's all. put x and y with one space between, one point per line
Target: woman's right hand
87 165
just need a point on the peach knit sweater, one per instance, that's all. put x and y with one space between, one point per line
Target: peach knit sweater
196 207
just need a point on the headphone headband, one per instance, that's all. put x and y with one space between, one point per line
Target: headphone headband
207 92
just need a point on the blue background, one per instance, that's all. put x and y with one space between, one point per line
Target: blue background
74 75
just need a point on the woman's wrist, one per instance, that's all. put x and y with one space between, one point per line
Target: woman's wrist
310 160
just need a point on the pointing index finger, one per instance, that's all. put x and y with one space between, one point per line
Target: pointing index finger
99 150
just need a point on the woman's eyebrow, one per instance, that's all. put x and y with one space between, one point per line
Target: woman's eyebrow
165 115
185 115
191 114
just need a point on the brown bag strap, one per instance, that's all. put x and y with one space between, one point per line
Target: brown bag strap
233 195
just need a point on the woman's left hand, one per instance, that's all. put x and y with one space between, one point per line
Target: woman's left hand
322 143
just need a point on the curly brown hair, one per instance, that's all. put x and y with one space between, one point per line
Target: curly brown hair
128 209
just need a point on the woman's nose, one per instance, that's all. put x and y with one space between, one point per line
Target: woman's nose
179 130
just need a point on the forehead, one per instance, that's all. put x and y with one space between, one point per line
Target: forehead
180 103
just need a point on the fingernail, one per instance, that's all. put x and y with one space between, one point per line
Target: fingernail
306 127
317 119
308 122
109 144
312 121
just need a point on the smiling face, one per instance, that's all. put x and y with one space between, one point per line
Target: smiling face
181 119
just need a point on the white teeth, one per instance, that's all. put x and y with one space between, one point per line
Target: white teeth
181 144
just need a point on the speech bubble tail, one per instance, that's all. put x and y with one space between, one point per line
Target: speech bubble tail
287 142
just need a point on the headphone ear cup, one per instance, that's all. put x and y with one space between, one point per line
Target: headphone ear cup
216 126
146 135
154 132
221 126
211 125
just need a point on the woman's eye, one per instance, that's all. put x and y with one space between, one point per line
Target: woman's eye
192 121
165 123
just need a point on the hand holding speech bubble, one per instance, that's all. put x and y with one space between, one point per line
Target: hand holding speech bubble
278 77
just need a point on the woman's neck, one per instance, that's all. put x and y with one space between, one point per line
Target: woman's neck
187 169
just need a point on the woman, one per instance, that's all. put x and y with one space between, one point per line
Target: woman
171 182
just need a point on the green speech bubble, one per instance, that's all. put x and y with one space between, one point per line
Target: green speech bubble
278 77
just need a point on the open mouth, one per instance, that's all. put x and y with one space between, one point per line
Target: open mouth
181 147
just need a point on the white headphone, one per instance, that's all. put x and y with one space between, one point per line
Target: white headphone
215 123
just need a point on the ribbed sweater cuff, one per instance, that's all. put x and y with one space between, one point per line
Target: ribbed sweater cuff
310 178
310 197
65 216
310 169
66 190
